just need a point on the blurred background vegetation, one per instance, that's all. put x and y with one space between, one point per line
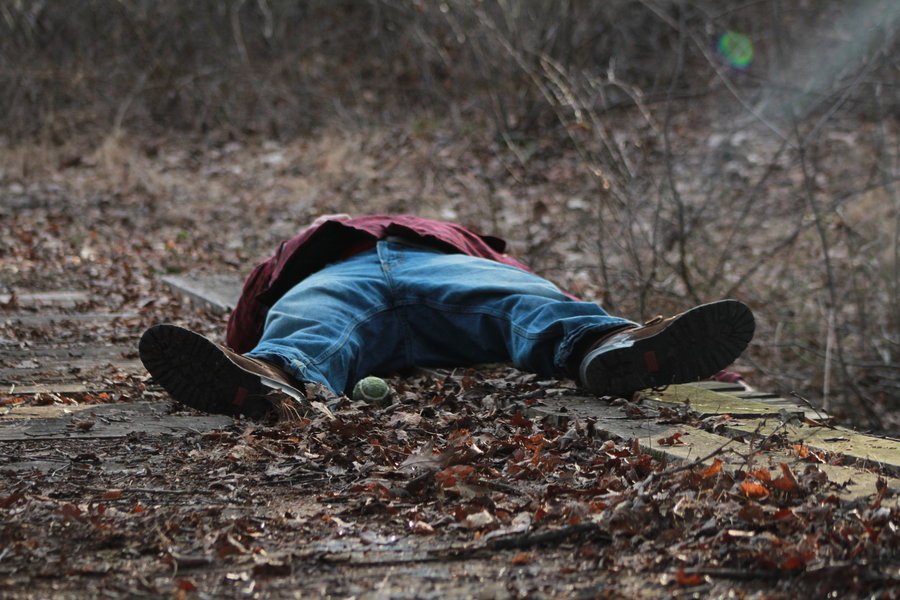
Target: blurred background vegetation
720 147
283 67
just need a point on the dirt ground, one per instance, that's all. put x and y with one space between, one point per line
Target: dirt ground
451 491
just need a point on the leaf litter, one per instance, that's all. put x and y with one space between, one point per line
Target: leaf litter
438 475
454 490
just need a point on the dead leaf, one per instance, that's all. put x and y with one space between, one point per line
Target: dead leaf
423 459
70 511
519 420
713 469
793 562
688 580
11 499
672 440
753 490
226 545
520 524
787 482
449 476
761 474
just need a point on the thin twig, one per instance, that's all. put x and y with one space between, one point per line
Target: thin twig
541 538
822 418
143 490
683 270
830 279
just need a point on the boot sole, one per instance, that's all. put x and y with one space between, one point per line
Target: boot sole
695 345
197 373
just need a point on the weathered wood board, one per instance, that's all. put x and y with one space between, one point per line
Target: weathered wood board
103 421
44 365
52 298
217 292
61 370
710 400
57 318
54 388
743 450
9 356
839 443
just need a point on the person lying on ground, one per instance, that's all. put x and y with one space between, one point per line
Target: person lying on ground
352 297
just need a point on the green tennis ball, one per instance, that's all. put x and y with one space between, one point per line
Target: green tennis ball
372 390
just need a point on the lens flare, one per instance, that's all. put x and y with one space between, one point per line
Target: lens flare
736 48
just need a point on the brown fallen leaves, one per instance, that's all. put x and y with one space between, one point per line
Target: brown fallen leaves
456 460
467 467
786 483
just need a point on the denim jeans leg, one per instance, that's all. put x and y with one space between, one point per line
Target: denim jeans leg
396 307
316 331
461 310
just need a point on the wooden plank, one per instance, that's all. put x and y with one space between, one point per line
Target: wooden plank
64 370
16 412
72 428
95 421
54 388
752 395
51 298
612 422
708 402
852 446
56 318
720 386
774 400
56 353
48 364
56 410
219 292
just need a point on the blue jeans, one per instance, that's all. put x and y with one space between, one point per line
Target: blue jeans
394 307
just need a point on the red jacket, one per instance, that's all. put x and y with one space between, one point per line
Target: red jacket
334 240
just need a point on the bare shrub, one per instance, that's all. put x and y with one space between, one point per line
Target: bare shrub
757 201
